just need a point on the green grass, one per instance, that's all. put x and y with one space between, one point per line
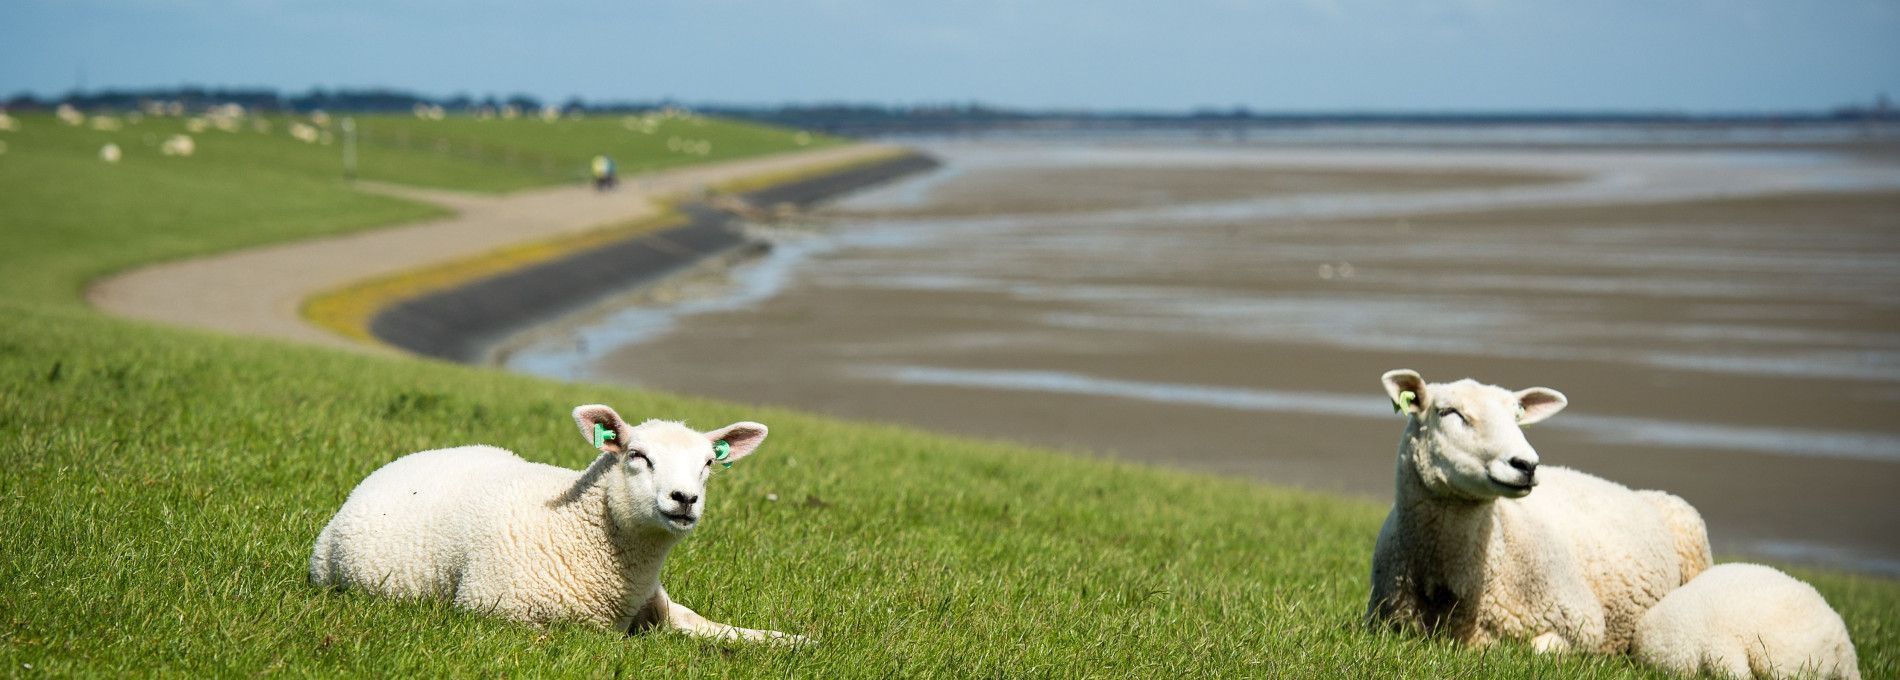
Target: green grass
161 489
499 155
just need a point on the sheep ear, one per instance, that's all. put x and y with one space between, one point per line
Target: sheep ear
742 436
587 417
1406 389
1538 403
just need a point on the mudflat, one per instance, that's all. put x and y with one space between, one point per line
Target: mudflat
1017 190
1726 325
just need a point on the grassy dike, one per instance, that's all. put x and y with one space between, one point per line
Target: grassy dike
161 489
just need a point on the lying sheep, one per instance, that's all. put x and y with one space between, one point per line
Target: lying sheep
1470 552
538 543
1747 621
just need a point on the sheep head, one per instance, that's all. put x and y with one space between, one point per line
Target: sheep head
664 463
1465 439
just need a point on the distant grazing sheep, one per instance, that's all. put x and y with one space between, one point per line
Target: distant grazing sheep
178 145
1469 550
110 153
533 542
1747 621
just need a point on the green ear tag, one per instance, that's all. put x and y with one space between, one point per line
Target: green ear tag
1405 401
722 451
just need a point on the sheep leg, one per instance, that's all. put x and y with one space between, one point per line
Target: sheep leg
687 621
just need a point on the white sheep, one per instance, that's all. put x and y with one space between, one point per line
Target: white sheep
303 133
1469 551
538 543
1747 621
178 145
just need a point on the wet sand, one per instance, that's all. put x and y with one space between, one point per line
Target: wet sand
1014 190
1726 325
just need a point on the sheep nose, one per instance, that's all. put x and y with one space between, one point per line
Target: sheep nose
683 498
1524 465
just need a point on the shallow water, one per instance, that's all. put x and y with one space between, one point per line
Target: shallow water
1763 335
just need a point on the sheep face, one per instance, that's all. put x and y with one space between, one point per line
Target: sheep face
665 464
1465 439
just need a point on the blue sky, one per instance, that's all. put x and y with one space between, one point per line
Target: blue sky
1690 55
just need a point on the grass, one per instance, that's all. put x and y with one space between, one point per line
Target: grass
162 488
500 155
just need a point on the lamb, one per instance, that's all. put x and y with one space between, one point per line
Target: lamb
537 543
1747 621
1469 551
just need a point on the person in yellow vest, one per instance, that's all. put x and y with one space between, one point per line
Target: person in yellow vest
603 173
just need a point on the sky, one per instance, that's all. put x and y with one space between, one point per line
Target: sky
1279 55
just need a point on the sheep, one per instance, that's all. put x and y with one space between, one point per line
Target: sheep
537 543
110 153
303 133
1469 551
178 145
1747 621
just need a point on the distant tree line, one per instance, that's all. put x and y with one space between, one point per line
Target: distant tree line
845 118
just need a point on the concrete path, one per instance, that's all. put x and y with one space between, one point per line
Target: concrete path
259 291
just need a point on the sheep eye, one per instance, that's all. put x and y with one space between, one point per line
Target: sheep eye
1448 412
636 453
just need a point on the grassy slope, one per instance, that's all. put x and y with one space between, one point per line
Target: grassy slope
498 155
162 488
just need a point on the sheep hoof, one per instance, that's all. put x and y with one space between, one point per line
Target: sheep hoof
1550 643
792 639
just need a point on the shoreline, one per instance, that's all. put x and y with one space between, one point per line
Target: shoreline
465 321
268 291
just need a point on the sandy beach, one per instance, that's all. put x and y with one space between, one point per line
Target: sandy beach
1726 322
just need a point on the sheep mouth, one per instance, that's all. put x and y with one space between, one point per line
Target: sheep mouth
682 519
1520 489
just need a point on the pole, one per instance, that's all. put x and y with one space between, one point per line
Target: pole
349 148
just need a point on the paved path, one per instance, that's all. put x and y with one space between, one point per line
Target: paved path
259 291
